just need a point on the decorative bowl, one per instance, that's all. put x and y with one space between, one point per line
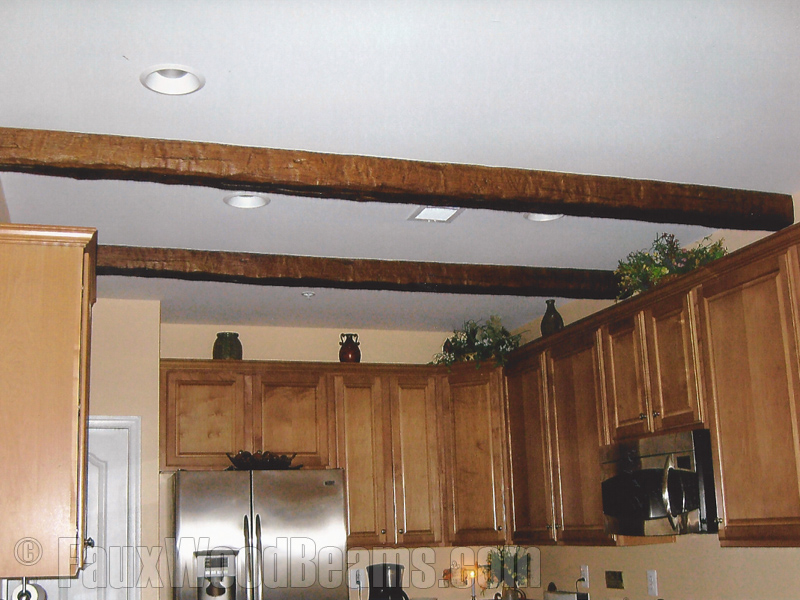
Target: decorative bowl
261 461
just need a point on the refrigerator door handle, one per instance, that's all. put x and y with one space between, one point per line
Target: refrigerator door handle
259 560
248 560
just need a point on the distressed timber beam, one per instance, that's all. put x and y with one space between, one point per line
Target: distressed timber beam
360 274
363 178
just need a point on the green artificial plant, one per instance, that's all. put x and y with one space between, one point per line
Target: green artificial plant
643 269
478 342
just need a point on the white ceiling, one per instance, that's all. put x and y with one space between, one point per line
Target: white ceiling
691 91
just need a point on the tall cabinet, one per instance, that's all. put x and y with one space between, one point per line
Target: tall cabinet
475 455
47 288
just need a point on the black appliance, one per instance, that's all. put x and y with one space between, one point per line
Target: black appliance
386 582
661 485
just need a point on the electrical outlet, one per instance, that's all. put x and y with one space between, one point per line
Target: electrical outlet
652 583
585 575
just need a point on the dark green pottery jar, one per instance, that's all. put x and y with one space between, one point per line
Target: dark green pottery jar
227 346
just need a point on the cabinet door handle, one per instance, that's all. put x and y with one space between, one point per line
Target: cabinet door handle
656 413
400 531
383 531
499 528
549 527
558 526
642 416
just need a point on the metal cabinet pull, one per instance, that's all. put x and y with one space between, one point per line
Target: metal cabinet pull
642 416
383 531
400 531
656 413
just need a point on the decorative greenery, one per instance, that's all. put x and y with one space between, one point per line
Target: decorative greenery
643 269
478 342
507 566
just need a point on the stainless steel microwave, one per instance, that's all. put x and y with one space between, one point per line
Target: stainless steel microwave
661 485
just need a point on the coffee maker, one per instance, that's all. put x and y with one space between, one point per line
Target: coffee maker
386 582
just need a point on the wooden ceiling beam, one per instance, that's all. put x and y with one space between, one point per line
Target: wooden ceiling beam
364 178
356 274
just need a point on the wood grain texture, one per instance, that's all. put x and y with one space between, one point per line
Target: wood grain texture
365 274
415 459
533 513
575 387
475 456
371 179
46 290
750 320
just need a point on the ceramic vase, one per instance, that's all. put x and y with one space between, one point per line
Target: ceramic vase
227 346
551 321
349 351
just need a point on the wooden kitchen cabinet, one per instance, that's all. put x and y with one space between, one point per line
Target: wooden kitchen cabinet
212 408
293 414
574 384
388 446
650 363
47 288
533 504
750 317
364 452
207 413
475 456
416 459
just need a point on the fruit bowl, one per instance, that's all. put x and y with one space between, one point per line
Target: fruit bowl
261 461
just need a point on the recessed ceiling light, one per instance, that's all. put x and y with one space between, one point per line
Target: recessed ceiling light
435 214
173 80
308 294
541 217
245 200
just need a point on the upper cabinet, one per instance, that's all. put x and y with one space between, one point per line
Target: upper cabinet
750 328
650 364
364 448
416 458
212 408
388 446
475 455
533 503
47 288
577 433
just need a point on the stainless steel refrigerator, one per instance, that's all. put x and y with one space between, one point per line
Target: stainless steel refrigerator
260 535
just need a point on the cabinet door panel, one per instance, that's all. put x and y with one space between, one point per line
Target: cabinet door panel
475 456
205 418
753 375
533 516
45 293
575 385
673 359
363 431
416 460
294 416
628 406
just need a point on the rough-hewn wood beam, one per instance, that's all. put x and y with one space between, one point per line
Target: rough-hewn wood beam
360 274
362 178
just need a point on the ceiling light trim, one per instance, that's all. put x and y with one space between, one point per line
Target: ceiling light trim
245 200
172 79
542 217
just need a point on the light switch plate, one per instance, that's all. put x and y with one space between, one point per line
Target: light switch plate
652 583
